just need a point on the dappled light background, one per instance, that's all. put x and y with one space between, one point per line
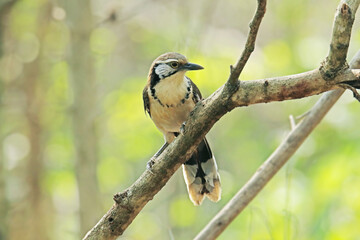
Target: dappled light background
73 130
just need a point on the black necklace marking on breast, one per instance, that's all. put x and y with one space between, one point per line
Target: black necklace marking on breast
182 101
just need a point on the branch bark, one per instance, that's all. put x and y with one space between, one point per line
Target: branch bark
250 42
130 202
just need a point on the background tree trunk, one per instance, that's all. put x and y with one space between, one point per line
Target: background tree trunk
4 9
31 214
84 111
35 200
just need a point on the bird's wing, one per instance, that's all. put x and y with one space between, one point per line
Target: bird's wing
146 100
196 92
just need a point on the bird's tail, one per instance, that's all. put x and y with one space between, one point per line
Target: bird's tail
201 175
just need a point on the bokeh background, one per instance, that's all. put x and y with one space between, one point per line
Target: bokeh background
73 130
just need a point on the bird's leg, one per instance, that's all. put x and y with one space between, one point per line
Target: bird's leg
151 162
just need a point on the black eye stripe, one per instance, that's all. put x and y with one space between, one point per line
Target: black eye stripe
154 78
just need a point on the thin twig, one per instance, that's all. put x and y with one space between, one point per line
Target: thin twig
303 115
292 122
351 88
250 42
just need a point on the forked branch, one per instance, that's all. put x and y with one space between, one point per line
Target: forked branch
273 164
334 63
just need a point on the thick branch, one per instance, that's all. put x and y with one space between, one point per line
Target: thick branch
129 203
289 87
273 164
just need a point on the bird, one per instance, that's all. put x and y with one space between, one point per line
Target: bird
169 96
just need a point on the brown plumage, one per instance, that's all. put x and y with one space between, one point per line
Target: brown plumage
169 96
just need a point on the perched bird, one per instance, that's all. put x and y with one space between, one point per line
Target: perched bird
169 97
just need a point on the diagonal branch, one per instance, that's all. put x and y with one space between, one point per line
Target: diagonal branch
250 42
130 202
273 164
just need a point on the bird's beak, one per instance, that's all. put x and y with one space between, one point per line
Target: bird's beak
191 66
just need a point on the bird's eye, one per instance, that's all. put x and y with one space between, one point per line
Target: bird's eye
174 64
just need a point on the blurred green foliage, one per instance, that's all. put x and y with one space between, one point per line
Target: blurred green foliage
315 196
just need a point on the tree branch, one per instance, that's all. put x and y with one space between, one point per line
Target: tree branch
273 164
289 87
130 202
250 42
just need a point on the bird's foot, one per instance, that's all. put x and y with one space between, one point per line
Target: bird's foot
182 128
150 164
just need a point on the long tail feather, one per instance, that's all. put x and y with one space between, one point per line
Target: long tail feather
201 175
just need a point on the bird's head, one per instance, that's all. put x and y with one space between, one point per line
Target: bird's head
170 64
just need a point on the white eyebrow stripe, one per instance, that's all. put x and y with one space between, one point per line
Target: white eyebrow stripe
168 60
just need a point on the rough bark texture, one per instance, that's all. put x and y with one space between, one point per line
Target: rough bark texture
289 87
233 94
84 111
